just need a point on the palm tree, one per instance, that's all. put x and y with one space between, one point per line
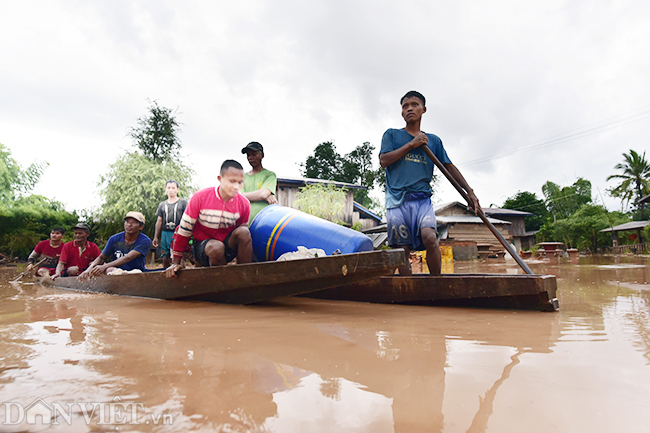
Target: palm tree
635 179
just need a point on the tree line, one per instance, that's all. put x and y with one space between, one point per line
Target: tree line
571 215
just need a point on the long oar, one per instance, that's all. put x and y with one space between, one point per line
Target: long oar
22 274
479 212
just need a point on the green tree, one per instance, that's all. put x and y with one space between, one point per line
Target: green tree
28 220
635 180
528 202
562 202
157 133
137 183
14 181
582 229
356 167
25 219
325 163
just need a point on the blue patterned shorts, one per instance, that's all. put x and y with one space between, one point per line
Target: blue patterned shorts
406 221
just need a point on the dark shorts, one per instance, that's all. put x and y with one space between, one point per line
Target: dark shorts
406 222
199 252
165 243
52 271
65 272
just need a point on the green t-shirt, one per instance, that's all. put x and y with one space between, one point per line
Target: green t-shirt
263 179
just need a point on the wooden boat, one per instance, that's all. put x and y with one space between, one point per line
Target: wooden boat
246 283
521 291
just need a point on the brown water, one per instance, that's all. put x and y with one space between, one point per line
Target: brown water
105 363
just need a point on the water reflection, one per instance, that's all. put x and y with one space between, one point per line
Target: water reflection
317 366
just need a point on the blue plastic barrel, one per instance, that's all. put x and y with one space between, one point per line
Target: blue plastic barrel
278 229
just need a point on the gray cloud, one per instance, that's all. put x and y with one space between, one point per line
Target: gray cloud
499 76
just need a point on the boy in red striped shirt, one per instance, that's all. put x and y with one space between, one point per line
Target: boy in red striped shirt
217 217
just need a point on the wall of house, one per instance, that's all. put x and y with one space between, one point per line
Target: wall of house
286 195
518 227
527 242
478 233
366 223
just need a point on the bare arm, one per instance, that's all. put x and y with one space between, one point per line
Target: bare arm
96 263
455 173
389 158
98 270
157 232
257 195
59 270
171 271
32 259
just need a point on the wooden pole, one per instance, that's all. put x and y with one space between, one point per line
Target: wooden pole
22 274
478 212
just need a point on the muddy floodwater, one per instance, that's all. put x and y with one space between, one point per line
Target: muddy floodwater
75 362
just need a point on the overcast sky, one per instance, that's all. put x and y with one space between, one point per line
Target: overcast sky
520 92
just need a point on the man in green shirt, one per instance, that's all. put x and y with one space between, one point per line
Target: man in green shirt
259 183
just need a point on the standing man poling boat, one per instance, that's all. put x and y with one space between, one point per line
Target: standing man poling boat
50 249
411 221
259 183
169 215
217 218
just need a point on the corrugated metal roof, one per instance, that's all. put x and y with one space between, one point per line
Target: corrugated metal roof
467 219
501 211
364 211
378 229
307 180
444 220
443 206
378 239
488 210
632 225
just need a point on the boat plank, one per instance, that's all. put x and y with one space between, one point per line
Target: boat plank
245 283
480 290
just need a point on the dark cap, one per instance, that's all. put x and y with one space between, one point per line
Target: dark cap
82 226
253 145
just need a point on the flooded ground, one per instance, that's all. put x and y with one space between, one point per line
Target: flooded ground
107 363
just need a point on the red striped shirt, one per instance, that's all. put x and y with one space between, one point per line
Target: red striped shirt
208 216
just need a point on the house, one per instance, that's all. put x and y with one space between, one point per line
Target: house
522 239
465 232
634 226
459 228
288 188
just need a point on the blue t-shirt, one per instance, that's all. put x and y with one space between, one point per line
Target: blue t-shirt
116 247
412 172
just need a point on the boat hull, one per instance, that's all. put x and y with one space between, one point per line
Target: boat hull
246 283
533 292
